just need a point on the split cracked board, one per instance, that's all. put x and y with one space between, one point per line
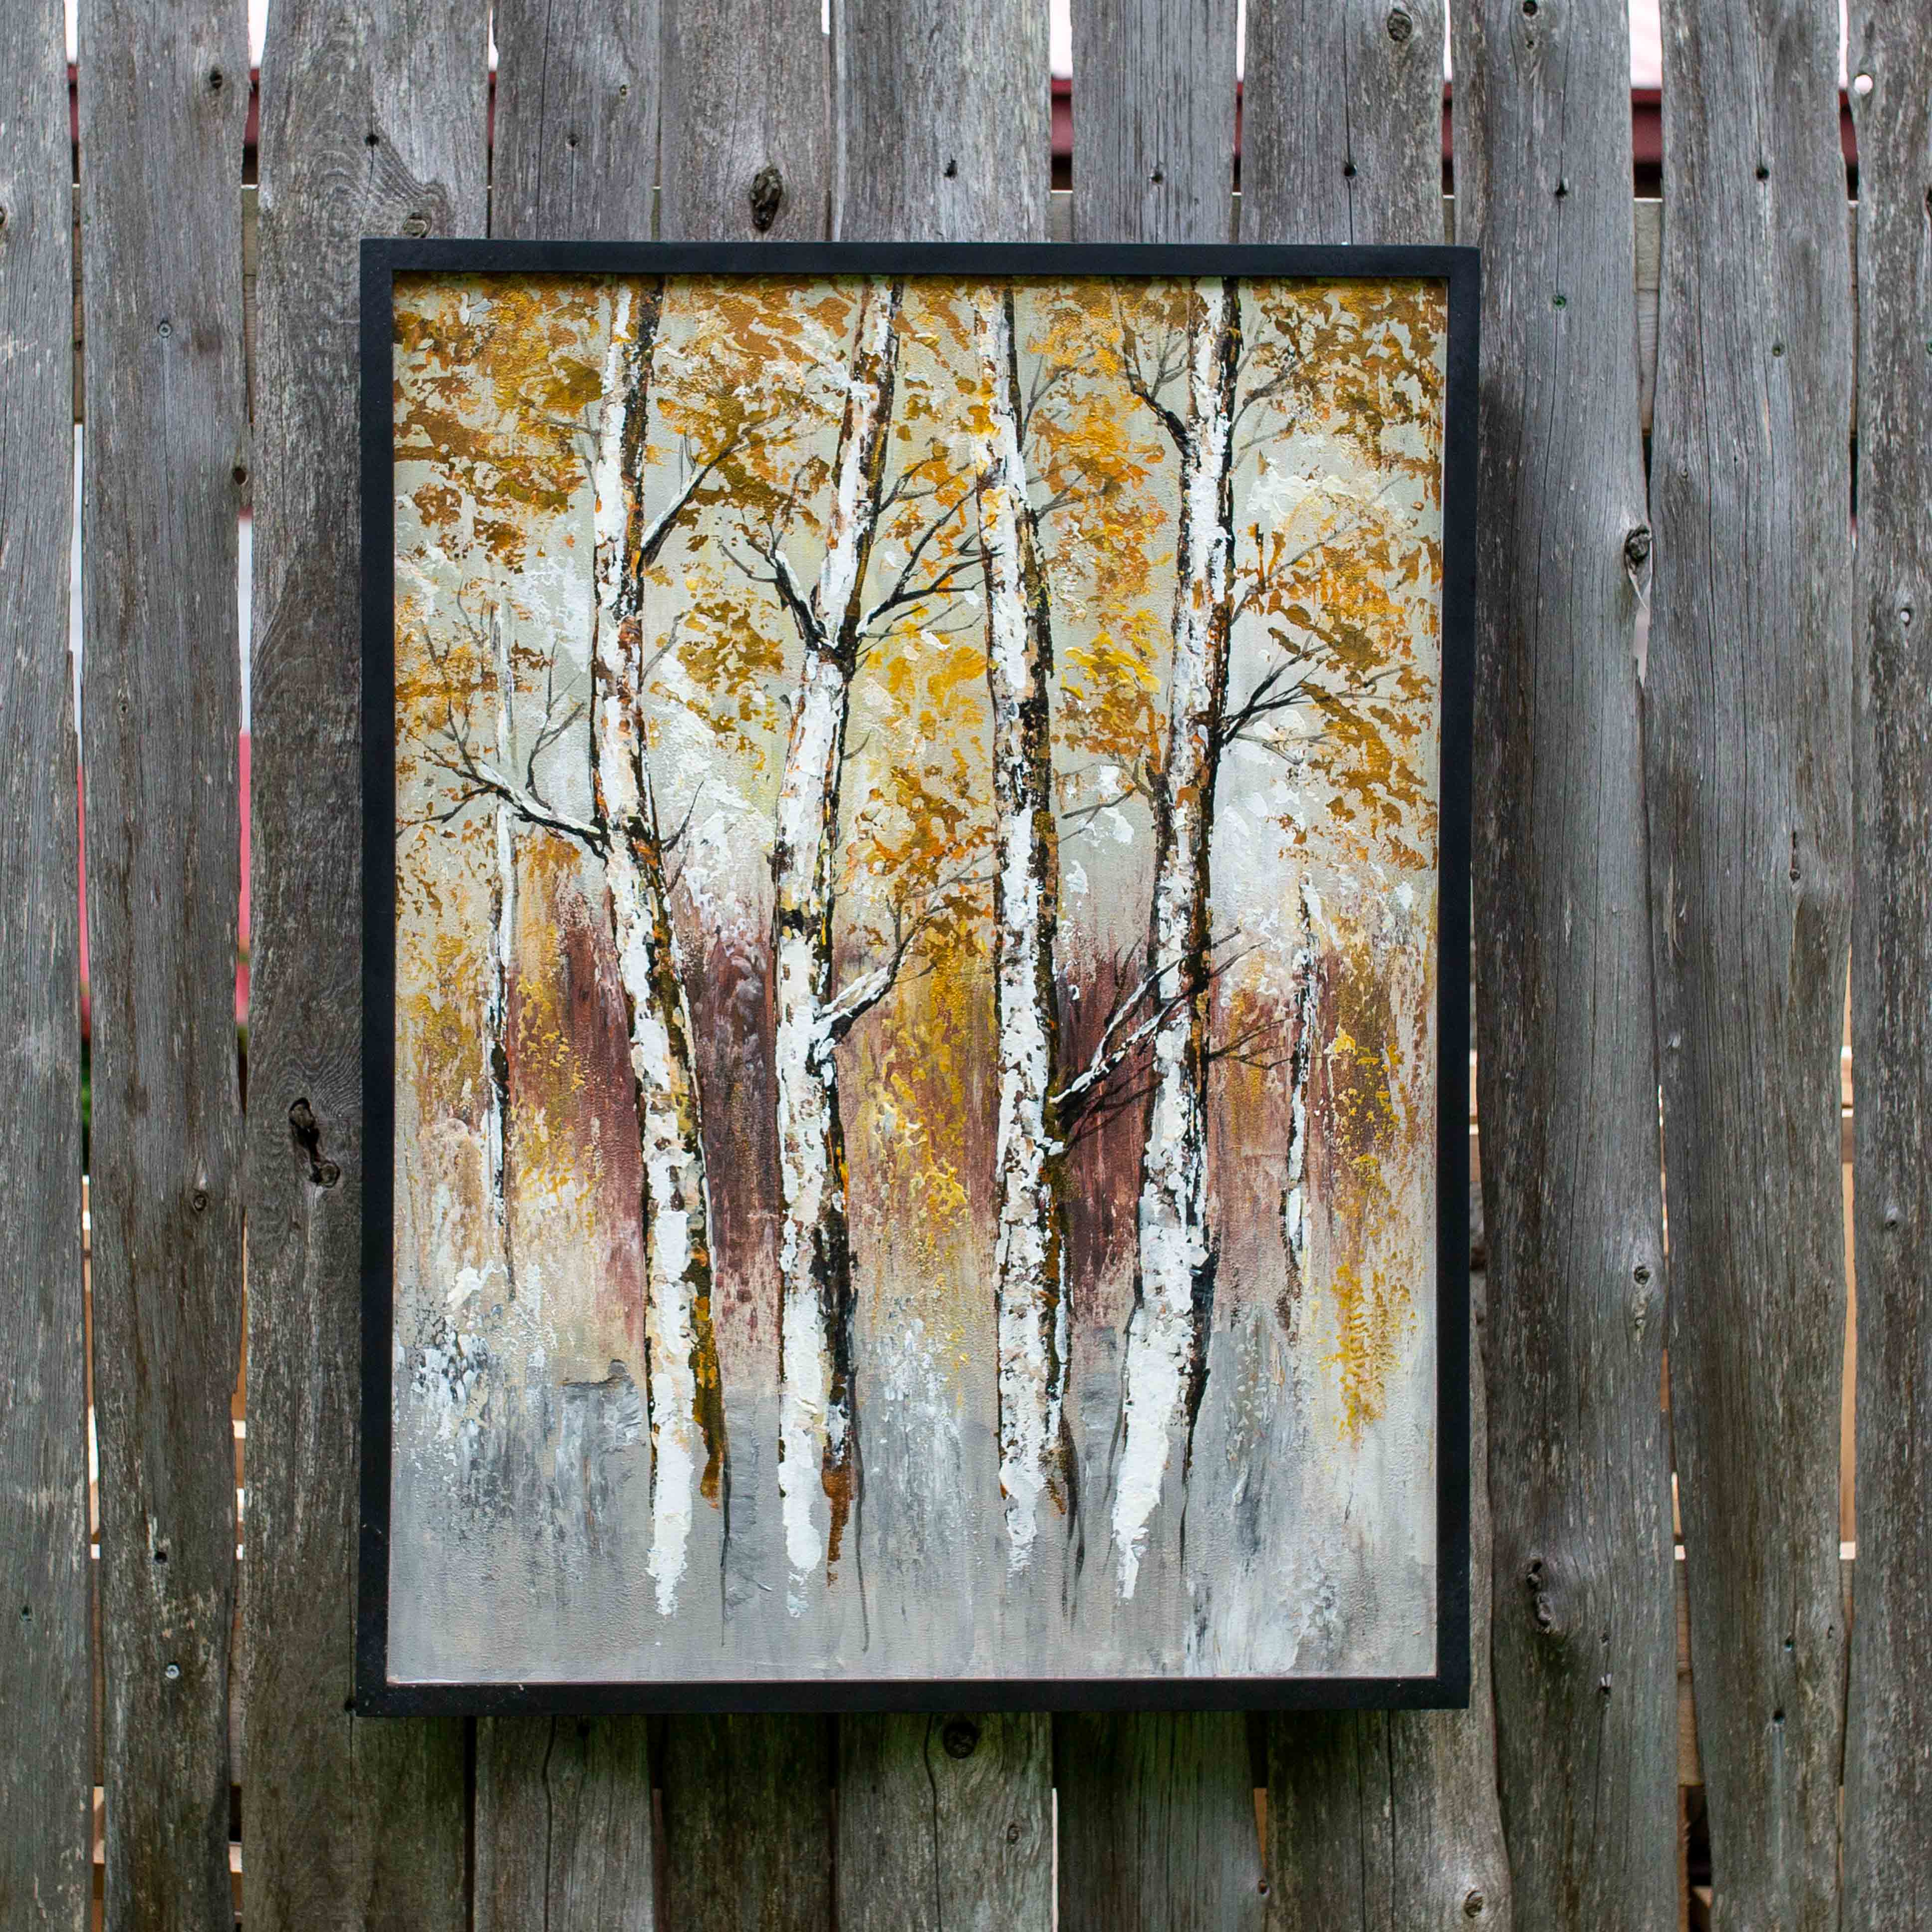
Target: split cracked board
916 800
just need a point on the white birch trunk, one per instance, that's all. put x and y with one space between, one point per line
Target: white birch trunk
1167 1340
682 1387
1031 1253
1294 1202
817 1444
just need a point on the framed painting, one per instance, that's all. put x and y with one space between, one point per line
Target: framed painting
915 1010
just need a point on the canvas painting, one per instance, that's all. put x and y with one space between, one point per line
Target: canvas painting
917 1034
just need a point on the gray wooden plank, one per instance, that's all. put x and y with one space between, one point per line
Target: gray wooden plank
942 135
1888 1812
1581 1643
163 91
567 1842
562 1811
945 1821
747 1800
1748 740
1153 151
748 1824
1157 1826
1374 1821
1159 99
1341 122
747 132
372 120
45 1690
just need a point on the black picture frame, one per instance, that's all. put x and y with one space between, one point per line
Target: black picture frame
1460 269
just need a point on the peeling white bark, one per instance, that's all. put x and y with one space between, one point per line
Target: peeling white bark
1166 1354
1306 1013
1030 1252
816 1442
680 1358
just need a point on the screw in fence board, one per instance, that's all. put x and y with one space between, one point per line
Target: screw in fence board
1374 1821
45 1701
163 92
1582 1640
372 122
1887 1810
941 133
562 1814
1748 728
1153 161
747 1800
748 1824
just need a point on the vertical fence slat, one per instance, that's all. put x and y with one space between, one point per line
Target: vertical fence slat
1341 122
1888 1738
372 122
942 135
745 91
1748 732
163 90
747 1801
1153 161
45 1709
1373 1820
563 1805
1582 1638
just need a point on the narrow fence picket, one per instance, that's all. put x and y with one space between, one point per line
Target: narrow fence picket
562 1805
372 122
44 1683
1747 728
1888 1802
1154 160
163 91
1582 1641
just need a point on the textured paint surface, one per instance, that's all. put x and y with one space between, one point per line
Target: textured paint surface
916 986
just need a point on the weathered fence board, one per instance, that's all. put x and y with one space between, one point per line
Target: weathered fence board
1748 732
1888 1808
943 135
744 90
748 1824
1156 1811
1582 1640
372 122
45 1709
562 1819
1341 122
163 91
747 134
1381 1821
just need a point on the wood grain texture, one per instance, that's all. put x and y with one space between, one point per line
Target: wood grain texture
1748 735
748 1824
576 132
45 1702
1153 133
945 1821
1888 1812
1157 1827
747 127
940 134
744 81
562 1806
1382 1821
563 1825
1582 1639
1388 1822
1341 122
163 91
372 120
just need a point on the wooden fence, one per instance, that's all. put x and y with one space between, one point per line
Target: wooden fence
1667 860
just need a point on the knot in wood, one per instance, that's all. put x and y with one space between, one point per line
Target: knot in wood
1400 26
960 1737
1636 546
1472 1905
767 194
415 225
